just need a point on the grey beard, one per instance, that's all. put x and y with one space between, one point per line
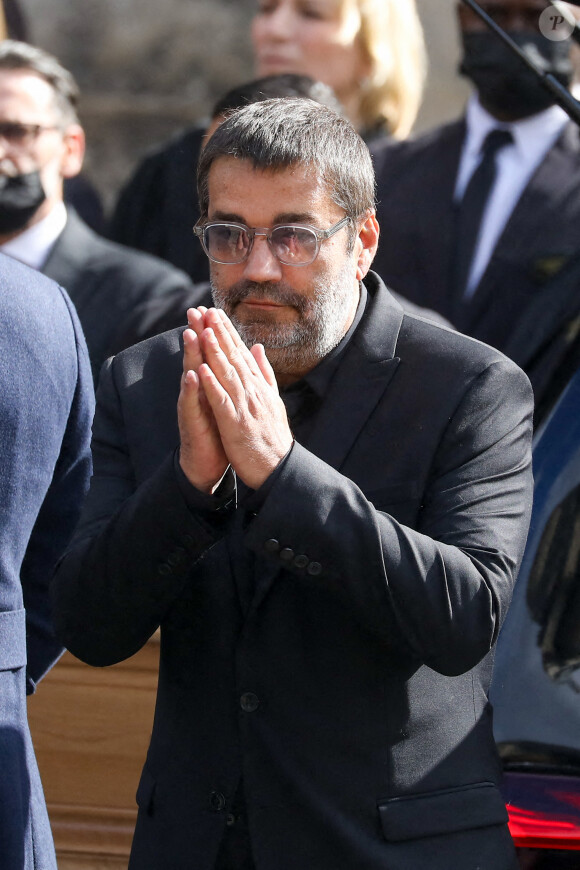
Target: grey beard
297 346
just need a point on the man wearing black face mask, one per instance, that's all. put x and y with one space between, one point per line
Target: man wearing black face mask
480 217
41 145
506 88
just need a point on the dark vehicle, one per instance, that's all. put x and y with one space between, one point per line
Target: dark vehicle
536 686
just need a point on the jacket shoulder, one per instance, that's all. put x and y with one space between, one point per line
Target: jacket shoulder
126 258
79 249
392 154
426 343
16 276
148 360
184 144
36 300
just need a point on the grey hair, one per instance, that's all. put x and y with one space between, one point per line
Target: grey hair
22 56
282 133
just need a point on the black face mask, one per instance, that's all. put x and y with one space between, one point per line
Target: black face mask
506 87
20 197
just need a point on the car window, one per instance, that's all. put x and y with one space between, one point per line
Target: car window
554 589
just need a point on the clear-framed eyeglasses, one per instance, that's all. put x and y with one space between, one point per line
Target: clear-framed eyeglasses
292 244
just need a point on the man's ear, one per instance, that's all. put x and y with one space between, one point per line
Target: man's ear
73 152
366 244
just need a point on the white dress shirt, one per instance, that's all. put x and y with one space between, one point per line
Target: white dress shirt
33 246
516 163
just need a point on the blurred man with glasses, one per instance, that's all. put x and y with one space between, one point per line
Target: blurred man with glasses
41 145
322 502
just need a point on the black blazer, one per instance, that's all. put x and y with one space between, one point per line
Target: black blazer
158 207
352 692
106 282
515 306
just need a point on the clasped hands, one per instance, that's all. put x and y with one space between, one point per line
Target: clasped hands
229 410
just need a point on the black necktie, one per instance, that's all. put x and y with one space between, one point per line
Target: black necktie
470 210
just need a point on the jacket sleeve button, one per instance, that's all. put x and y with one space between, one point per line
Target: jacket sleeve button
314 569
164 569
272 546
286 554
301 561
249 702
217 801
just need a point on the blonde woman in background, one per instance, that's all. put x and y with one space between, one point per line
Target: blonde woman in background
371 52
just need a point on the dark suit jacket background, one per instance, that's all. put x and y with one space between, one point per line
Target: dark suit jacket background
158 207
529 290
366 740
46 408
106 282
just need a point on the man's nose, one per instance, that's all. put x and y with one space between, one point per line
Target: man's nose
261 264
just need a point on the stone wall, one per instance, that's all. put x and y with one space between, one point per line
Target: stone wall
147 68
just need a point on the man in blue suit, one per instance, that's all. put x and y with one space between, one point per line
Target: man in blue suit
46 406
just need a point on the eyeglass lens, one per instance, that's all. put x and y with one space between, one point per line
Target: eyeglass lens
231 244
16 133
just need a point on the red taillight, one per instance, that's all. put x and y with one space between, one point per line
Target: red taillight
535 830
544 810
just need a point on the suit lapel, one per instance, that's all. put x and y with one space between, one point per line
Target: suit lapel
548 186
362 378
357 387
67 262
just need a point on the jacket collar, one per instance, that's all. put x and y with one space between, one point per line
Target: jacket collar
69 252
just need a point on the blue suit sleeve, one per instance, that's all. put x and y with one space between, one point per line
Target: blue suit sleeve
57 519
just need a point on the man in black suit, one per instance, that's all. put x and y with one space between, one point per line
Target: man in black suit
41 144
322 501
491 259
